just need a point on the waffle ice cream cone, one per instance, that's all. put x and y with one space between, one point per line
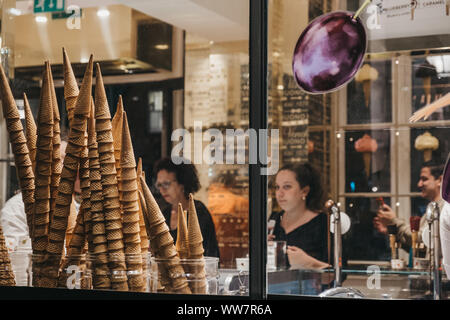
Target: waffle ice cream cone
101 278
196 250
31 130
426 143
56 143
44 144
366 89
182 244
6 272
143 232
129 202
366 145
366 75
367 156
75 249
117 124
59 222
172 272
85 185
19 147
71 90
195 237
110 191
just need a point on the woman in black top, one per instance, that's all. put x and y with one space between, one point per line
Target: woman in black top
302 223
175 182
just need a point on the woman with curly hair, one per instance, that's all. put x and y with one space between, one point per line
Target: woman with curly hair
176 179
302 222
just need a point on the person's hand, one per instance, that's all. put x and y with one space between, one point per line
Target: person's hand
297 257
386 215
271 237
379 226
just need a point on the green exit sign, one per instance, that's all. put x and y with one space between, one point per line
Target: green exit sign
41 6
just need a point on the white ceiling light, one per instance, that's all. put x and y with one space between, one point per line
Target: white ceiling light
41 19
103 13
162 46
15 12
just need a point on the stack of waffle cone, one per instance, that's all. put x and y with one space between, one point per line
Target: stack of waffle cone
117 123
97 231
130 203
71 224
43 171
143 233
111 202
18 147
6 272
143 230
85 184
71 90
56 153
83 175
182 244
77 142
31 131
162 246
196 250
75 249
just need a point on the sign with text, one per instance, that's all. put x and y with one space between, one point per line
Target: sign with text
41 6
389 19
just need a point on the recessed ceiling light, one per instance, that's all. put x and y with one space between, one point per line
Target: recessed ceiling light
41 19
103 13
162 46
15 12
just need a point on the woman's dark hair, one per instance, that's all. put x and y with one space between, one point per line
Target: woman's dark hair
185 173
306 175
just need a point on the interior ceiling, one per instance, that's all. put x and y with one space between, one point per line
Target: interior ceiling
214 20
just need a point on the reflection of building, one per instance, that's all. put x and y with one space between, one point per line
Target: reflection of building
230 216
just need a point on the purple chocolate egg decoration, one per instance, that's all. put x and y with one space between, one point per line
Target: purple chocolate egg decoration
329 52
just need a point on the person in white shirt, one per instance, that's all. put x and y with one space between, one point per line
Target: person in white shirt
13 218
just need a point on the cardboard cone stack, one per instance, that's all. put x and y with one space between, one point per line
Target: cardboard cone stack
71 90
31 131
18 146
41 210
162 246
56 153
182 243
77 142
130 204
111 202
117 123
196 250
6 273
97 231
